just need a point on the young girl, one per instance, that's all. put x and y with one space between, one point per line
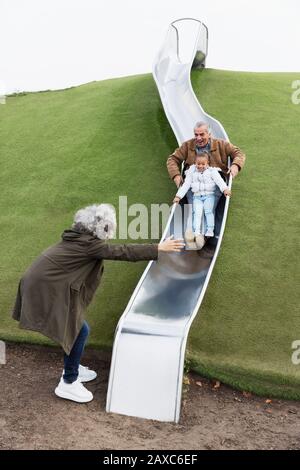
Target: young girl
202 180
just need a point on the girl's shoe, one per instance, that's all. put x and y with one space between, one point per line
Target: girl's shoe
209 233
189 238
200 241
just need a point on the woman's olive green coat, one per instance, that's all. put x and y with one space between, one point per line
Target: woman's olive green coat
56 289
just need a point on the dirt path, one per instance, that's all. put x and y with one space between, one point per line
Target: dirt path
32 417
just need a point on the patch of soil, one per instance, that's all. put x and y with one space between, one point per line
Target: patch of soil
213 416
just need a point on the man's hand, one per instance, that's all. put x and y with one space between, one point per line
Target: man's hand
227 192
178 180
170 245
176 200
234 169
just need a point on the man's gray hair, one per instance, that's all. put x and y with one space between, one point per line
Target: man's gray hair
97 219
201 124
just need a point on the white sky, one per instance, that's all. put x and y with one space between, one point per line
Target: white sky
59 43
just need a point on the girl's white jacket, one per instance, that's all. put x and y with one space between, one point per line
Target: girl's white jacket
202 184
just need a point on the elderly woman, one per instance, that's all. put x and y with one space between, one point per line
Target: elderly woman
57 288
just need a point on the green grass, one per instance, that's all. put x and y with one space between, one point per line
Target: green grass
63 150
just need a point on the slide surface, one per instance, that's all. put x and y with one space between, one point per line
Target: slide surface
148 354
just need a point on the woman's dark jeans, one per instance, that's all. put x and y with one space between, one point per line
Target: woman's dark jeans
73 360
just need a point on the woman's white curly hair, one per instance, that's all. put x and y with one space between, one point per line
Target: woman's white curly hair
98 219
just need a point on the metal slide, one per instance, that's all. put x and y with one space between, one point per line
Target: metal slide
148 354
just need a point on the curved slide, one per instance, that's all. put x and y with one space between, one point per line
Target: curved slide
150 340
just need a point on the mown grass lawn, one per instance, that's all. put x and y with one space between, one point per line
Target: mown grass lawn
66 149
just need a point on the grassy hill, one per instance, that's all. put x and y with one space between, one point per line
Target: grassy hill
66 149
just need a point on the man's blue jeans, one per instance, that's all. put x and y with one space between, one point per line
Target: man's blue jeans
73 360
206 204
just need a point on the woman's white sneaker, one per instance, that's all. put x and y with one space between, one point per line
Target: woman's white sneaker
85 374
74 391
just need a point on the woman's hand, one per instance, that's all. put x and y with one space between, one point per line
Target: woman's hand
227 192
169 245
176 200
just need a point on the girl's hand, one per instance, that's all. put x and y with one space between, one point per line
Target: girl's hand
176 200
227 192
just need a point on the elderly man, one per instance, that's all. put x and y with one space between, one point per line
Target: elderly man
56 289
219 150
